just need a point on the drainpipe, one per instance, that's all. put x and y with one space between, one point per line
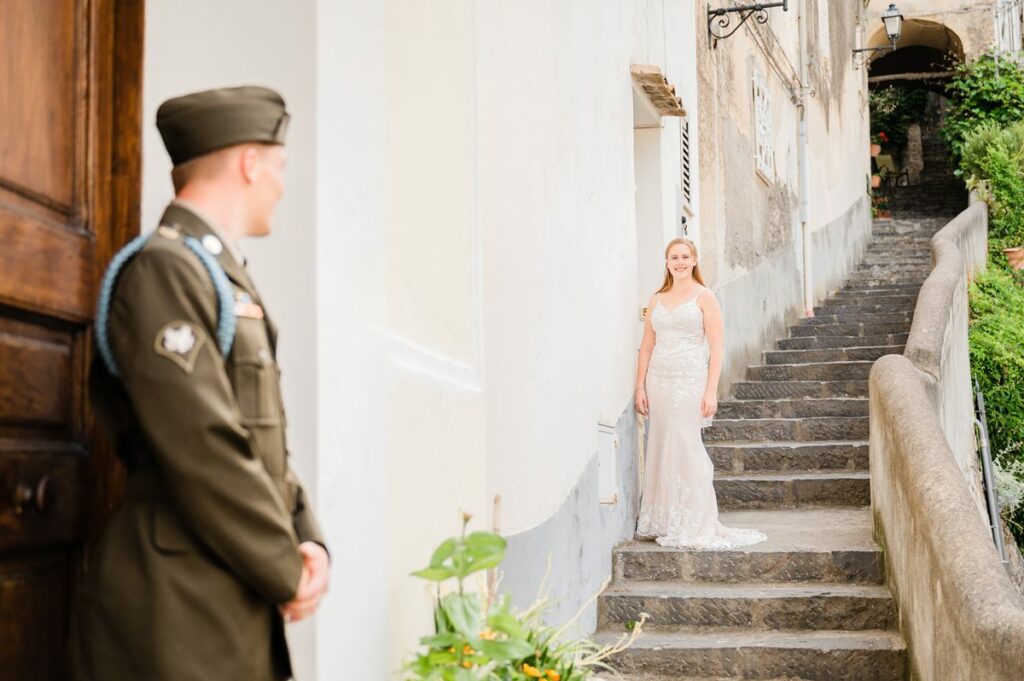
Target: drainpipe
805 227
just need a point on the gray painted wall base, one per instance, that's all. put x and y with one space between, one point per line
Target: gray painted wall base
579 539
758 306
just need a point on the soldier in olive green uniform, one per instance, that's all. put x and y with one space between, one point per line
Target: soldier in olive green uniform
216 543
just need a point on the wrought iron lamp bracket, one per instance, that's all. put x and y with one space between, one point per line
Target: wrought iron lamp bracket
720 20
860 55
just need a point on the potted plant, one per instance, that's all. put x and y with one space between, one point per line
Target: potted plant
877 140
880 206
1015 257
479 637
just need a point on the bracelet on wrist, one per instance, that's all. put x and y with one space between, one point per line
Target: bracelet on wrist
639 389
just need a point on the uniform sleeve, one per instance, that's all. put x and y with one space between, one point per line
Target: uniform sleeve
162 329
306 526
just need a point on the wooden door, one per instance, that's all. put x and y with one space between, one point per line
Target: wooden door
70 102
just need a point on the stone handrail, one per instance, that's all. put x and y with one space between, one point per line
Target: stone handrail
959 612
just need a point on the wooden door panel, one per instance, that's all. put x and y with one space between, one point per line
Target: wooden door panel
70 103
50 267
40 98
34 591
36 367
47 481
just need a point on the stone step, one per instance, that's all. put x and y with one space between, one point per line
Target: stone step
768 390
816 342
913 255
904 262
791 489
851 329
868 282
830 354
844 307
768 409
858 318
910 257
872 298
753 605
789 456
890 267
815 371
803 545
810 428
908 289
720 655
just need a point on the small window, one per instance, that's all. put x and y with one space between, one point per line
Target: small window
764 152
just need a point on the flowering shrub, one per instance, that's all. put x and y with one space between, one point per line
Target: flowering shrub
478 637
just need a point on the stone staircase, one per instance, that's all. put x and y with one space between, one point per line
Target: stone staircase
791 458
938 193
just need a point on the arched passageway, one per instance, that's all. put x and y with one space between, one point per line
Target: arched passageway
908 106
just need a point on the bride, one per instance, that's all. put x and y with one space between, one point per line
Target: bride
678 389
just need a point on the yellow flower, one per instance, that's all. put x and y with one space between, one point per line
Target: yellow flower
553 675
451 650
467 664
488 635
466 650
532 672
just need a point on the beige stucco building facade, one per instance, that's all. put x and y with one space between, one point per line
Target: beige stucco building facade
962 27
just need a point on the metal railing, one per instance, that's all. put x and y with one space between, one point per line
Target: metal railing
981 424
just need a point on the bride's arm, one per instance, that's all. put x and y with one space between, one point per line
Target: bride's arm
715 333
643 359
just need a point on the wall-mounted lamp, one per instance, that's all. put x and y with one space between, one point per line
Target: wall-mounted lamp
719 20
892 19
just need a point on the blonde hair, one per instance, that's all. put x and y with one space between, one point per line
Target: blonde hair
696 268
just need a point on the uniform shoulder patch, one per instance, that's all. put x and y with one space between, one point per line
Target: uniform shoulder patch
180 342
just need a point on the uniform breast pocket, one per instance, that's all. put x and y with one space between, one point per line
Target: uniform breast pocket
255 374
256 390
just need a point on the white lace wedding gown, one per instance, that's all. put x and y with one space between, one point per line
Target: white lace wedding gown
678 506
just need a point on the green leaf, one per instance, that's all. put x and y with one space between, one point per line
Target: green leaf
486 541
443 552
434 574
512 649
443 640
463 612
505 623
485 563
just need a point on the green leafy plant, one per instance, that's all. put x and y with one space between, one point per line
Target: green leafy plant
995 338
879 205
893 110
478 637
1008 470
993 163
980 91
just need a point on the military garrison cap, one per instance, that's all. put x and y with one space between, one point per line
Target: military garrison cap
201 122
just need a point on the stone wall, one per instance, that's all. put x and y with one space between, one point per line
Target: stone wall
959 611
938 337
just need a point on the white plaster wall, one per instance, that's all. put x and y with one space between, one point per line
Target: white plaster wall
193 45
555 135
353 424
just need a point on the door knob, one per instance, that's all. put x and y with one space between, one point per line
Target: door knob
26 495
